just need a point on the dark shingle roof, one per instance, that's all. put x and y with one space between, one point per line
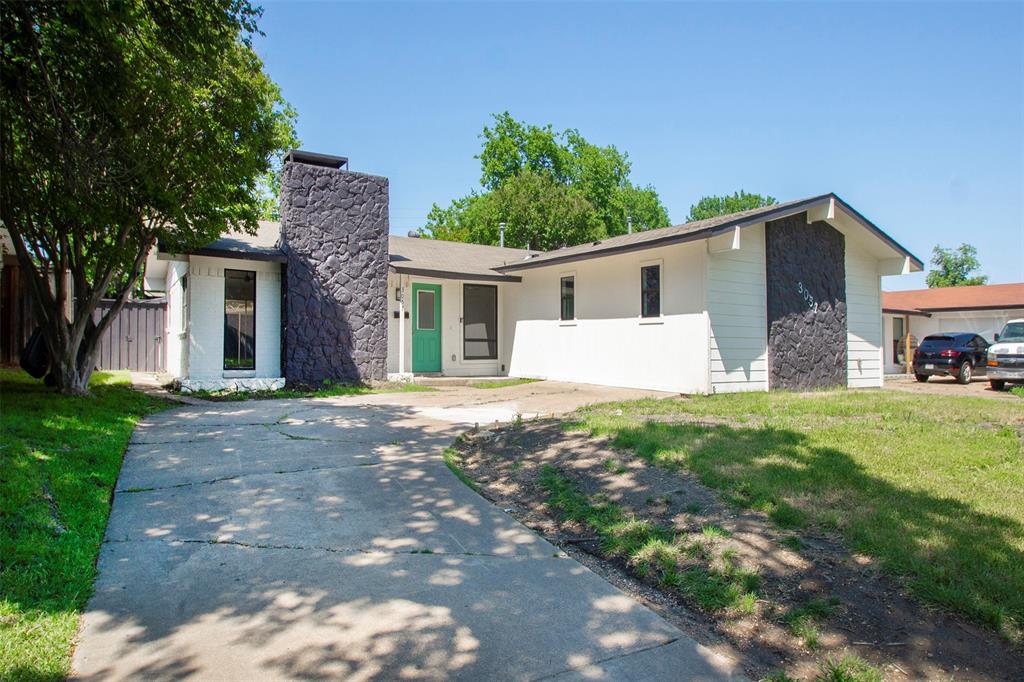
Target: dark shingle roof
264 245
699 229
436 258
447 259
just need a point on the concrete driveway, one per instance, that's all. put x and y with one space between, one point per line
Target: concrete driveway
325 538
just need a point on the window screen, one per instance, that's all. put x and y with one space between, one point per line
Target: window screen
480 322
425 310
568 298
650 291
239 319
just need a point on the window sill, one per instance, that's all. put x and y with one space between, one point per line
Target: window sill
652 320
567 323
238 373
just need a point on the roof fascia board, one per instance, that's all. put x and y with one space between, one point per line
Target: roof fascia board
672 239
163 255
877 231
901 311
242 255
445 274
1019 306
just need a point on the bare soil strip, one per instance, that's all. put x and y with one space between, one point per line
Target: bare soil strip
815 599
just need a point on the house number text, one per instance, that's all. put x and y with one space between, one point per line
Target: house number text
806 294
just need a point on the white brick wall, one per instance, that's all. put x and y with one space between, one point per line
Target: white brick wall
206 310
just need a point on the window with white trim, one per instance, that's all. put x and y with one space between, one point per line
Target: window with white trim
650 290
567 290
239 319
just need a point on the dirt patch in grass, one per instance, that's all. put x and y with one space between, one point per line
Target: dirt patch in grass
501 383
774 599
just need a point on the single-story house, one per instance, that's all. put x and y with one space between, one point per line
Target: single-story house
787 296
913 315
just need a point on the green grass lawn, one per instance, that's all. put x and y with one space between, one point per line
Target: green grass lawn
325 391
59 461
501 383
929 485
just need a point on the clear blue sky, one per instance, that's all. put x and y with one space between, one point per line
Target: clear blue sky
913 113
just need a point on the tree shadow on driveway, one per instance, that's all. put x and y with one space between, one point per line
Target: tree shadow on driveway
308 540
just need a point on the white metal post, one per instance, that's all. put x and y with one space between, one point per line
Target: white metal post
401 325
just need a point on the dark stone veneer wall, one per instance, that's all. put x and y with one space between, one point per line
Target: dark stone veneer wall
805 267
334 230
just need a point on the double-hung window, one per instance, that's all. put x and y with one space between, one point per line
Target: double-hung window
650 290
239 319
568 296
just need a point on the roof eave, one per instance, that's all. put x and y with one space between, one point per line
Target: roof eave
449 274
266 256
987 306
917 265
746 221
906 311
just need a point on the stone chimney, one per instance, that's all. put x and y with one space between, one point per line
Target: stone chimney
334 230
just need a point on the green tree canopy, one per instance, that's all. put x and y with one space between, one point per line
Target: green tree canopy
125 122
713 206
584 191
953 267
538 213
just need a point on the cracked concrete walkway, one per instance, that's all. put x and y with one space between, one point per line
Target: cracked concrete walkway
325 538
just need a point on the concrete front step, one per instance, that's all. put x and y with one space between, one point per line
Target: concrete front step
437 380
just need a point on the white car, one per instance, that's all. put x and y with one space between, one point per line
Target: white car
1006 356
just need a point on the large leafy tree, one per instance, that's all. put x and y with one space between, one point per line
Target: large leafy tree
124 123
714 206
538 213
551 188
953 267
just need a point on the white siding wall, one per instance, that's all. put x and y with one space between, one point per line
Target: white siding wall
864 318
176 333
738 315
206 310
452 362
609 344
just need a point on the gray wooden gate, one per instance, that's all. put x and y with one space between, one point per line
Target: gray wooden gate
135 338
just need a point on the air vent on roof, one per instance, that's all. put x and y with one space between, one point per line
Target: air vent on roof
314 159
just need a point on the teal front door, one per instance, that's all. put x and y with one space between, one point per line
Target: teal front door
426 327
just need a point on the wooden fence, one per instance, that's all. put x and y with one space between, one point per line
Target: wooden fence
135 338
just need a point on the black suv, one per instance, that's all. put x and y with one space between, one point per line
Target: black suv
951 354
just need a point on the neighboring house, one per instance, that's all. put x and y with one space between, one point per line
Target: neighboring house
980 309
787 296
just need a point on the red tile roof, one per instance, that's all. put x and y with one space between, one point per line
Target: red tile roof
989 296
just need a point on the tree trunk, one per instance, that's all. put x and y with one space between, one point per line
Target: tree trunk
72 367
71 379
74 343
